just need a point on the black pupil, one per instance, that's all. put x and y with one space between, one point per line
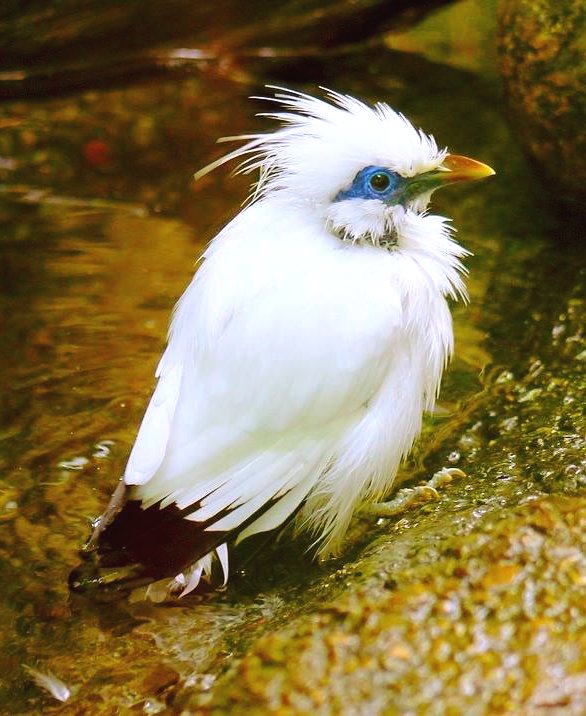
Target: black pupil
380 181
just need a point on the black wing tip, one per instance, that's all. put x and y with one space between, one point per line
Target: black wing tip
94 575
132 546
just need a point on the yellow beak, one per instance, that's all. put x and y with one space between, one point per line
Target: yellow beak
457 168
453 169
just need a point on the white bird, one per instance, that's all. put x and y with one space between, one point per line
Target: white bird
303 354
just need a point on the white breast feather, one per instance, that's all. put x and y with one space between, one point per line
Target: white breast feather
274 375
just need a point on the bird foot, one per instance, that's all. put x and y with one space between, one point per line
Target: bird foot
410 496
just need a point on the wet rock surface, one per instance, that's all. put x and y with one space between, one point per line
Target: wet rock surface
491 621
543 65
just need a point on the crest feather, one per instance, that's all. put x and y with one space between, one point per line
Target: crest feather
323 143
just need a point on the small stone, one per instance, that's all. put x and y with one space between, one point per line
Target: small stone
160 679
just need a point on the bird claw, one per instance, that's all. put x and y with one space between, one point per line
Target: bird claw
446 475
410 496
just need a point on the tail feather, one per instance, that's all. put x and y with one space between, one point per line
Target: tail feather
160 539
132 546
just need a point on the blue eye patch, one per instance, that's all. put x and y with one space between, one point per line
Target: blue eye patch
372 183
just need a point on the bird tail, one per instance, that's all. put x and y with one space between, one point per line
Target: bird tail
131 546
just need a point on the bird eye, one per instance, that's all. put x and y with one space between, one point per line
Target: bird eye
380 181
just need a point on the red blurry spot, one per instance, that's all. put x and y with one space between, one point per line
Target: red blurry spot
97 153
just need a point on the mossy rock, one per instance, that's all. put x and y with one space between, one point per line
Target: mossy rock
543 65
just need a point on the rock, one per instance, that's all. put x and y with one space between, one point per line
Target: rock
75 26
85 43
542 47
159 679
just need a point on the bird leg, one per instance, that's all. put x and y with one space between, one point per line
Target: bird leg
410 496
117 502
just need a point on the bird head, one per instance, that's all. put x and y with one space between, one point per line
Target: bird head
367 172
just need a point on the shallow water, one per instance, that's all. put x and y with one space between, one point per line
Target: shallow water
102 226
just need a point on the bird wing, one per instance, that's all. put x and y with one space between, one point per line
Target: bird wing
149 448
274 353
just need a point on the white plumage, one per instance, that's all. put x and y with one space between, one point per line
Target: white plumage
313 337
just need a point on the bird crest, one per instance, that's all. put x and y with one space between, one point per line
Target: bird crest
323 143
